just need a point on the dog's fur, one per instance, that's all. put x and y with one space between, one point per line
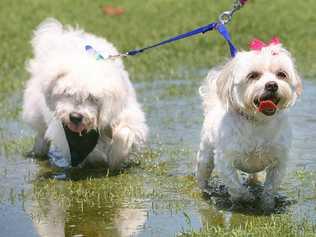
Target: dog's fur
66 79
235 135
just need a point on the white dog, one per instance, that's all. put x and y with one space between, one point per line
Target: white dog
246 126
74 90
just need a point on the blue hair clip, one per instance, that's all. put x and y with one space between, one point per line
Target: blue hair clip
93 52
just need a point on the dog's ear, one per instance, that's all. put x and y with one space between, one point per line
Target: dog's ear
224 83
296 81
298 85
110 106
49 87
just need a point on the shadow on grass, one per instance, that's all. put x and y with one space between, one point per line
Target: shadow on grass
77 173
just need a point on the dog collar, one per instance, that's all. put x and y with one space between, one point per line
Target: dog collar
250 117
246 116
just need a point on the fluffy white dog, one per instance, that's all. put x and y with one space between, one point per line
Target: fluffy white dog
246 126
75 94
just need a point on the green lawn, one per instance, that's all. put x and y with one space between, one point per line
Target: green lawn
149 21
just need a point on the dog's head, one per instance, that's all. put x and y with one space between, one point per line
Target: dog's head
259 82
85 94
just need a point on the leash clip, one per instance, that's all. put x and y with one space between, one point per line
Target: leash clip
226 16
121 55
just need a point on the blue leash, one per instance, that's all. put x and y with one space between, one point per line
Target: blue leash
201 30
224 18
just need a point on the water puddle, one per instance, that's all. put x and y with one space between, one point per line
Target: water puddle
159 197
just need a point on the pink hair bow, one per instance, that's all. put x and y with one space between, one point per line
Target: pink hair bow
257 44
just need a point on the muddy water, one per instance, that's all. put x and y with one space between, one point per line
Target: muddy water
158 197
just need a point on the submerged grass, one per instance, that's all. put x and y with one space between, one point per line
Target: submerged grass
274 226
147 181
153 184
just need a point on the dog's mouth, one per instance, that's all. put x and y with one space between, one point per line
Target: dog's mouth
267 103
77 128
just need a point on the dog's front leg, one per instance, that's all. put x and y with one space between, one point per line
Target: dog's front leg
126 137
129 131
274 176
122 141
229 174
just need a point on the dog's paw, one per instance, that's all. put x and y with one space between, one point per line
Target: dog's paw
267 202
122 142
243 196
124 138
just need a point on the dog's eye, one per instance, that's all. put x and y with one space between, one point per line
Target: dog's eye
254 76
281 75
92 99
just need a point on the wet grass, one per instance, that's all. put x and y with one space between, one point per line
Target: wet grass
162 184
96 188
267 226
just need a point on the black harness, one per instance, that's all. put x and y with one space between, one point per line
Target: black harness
80 146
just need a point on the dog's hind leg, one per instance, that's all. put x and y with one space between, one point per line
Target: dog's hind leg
204 165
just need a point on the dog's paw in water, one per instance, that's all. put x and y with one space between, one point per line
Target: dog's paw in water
258 201
267 202
243 195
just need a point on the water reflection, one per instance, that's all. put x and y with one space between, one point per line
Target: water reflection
53 219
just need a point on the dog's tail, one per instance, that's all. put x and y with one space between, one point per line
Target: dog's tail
208 90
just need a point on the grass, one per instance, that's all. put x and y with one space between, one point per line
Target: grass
145 22
274 226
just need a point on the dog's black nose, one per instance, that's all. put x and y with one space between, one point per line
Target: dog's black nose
75 118
271 86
